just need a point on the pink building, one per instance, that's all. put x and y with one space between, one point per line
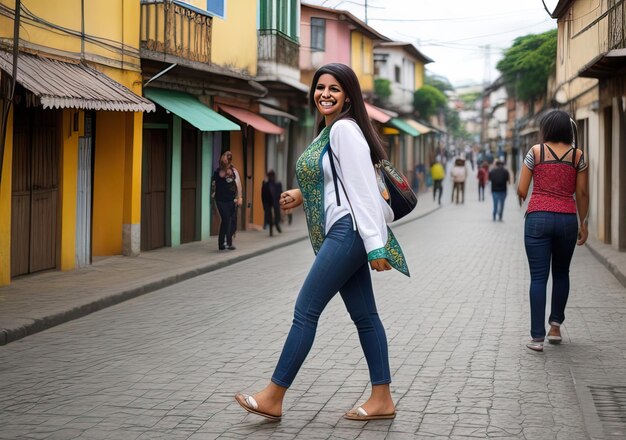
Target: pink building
332 36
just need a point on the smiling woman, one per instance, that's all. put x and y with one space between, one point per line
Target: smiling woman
349 234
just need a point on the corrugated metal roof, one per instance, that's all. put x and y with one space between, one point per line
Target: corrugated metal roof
59 84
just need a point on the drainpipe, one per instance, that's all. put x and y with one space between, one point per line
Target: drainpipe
6 105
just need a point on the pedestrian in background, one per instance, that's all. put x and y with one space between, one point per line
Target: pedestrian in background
420 178
458 174
270 197
483 178
551 231
437 173
226 191
499 177
348 231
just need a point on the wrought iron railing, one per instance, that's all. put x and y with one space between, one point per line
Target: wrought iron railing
276 47
617 34
170 28
613 22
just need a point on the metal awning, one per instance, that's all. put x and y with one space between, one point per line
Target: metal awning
271 111
403 126
190 109
606 65
59 84
255 120
378 114
423 129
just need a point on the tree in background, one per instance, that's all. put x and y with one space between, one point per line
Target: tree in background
527 64
428 101
439 82
382 90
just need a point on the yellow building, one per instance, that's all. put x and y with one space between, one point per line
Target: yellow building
590 83
200 68
70 183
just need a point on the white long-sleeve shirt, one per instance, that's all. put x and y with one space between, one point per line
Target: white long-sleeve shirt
355 170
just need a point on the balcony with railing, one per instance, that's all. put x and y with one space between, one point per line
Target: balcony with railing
277 53
610 26
173 32
617 26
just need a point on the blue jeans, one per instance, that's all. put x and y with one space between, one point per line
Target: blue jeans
549 237
498 203
340 266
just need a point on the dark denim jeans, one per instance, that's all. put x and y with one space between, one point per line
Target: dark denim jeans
549 237
498 203
227 211
340 266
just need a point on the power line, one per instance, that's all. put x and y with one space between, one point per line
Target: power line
468 18
497 33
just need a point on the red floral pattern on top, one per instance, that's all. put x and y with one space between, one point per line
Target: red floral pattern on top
553 188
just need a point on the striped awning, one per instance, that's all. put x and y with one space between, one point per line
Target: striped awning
59 84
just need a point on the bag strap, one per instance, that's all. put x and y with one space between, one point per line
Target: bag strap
335 178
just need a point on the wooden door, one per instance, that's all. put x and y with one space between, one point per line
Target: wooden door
189 183
35 195
154 188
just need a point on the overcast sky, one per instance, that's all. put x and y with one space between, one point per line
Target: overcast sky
454 33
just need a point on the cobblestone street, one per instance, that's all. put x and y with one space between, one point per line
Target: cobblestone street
166 365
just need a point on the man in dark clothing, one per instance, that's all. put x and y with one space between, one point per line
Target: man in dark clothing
499 178
270 196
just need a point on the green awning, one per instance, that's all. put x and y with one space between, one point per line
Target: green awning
403 126
190 109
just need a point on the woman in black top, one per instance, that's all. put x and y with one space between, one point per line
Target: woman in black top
227 194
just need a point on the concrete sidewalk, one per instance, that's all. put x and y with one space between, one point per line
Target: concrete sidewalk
37 302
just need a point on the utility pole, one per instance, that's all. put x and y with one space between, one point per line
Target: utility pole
487 73
365 11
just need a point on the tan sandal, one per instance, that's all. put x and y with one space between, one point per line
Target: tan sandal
362 415
555 339
249 404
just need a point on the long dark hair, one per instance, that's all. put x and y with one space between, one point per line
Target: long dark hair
355 109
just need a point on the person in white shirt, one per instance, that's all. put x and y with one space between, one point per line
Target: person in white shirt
459 174
347 220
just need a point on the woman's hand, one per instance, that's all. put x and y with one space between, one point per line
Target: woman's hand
380 265
290 199
583 233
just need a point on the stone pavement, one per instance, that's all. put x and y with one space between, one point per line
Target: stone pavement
166 365
34 303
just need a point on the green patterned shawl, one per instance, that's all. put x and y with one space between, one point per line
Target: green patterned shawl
310 175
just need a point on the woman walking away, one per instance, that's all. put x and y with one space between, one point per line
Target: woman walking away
346 218
459 174
483 178
551 230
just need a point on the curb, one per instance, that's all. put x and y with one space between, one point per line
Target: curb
38 325
615 270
